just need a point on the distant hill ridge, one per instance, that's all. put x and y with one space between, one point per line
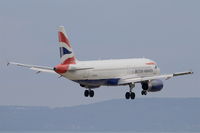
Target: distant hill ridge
150 114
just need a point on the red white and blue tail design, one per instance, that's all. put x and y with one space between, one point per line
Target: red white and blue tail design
66 52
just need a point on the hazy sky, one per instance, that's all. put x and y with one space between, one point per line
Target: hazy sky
167 31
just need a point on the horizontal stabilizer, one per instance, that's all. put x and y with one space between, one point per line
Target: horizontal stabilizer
34 67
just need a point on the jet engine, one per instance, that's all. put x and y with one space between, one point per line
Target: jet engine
153 85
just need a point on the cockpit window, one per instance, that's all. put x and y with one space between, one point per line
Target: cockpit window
156 66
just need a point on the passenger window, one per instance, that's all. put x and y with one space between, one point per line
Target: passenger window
148 70
138 71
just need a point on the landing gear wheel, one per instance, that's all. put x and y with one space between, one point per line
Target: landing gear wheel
86 93
127 95
144 92
132 95
91 93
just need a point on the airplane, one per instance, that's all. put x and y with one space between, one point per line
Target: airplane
97 73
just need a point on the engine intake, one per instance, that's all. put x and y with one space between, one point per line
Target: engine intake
153 85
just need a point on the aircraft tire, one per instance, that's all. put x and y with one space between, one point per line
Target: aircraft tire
127 95
91 93
86 93
132 95
144 92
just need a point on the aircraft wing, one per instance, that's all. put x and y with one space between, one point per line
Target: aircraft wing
34 67
142 79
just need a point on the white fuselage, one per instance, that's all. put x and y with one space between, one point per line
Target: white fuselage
112 69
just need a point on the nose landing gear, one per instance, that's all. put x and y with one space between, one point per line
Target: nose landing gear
144 92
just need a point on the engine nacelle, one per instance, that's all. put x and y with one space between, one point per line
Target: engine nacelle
153 85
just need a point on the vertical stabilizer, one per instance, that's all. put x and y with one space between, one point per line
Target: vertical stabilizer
66 52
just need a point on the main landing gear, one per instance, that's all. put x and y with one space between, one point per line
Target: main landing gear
88 93
130 94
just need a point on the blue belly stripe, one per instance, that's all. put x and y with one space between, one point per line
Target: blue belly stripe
97 82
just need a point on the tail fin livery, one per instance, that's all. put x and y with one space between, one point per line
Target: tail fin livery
66 52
